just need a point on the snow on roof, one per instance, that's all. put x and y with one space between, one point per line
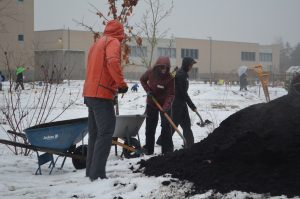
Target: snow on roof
293 69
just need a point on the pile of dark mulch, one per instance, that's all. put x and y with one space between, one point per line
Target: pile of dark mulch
254 150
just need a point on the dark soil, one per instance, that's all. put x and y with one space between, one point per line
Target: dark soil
254 150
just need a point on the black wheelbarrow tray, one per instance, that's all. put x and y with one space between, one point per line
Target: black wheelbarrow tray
60 138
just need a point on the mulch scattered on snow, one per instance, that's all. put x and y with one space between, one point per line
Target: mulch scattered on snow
256 150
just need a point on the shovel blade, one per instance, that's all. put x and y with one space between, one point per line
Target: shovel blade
207 122
202 124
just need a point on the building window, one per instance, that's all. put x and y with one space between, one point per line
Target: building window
21 37
168 52
193 53
137 51
21 1
265 57
248 56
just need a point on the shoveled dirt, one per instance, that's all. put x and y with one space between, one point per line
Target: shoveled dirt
254 150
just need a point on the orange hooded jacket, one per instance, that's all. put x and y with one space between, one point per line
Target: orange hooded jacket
104 74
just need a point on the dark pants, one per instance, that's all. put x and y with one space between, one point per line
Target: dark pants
151 124
101 126
180 116
19 83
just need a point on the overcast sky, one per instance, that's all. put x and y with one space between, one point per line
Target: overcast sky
258 21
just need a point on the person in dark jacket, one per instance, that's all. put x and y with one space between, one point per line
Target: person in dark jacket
134 88
243 82
159 83
180 113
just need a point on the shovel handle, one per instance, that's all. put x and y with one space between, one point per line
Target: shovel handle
201 120
169 119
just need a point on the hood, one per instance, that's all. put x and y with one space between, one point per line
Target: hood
114 29
186 62
163 61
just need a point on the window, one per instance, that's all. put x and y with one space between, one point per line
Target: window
193 53
21 37
21 1
265 57
169 52
248 56
137 51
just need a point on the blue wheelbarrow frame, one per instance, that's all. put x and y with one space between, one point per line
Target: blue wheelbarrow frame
61 137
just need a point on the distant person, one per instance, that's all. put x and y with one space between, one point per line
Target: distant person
20 78
134 88
158 83
243 82
2 79
180 112
294 88
104 78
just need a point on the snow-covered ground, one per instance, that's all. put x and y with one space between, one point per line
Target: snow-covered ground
215 103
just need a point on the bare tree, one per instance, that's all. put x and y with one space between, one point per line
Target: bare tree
122 14
22 109
151 19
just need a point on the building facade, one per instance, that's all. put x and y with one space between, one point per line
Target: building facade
215 59
16 34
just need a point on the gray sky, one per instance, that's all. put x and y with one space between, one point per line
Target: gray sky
259 21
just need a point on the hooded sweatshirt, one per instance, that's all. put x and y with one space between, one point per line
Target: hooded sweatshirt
182 84
104 74
160 85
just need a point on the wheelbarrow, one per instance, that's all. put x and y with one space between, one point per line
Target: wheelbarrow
60 138
127 128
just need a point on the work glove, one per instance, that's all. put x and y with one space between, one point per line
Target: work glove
149 94
123 89
194 109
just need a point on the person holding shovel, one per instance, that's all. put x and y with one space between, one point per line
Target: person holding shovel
159 85
104 78
180 112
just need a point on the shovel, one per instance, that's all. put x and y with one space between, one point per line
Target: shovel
202 123
168 118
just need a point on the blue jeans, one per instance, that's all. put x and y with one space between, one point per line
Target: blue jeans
101 126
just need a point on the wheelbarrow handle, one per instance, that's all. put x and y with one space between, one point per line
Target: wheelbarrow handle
168 118
124 146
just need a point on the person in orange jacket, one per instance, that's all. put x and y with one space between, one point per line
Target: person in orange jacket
104 79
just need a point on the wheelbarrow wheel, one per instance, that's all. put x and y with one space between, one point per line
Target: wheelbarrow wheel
134 143
80 150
